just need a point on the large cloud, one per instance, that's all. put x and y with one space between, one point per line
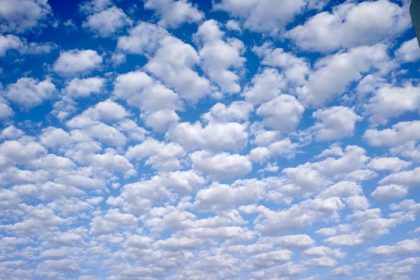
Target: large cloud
343 27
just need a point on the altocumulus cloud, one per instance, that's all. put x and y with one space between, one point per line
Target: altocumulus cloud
224 139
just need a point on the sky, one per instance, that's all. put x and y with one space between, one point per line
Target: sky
223 139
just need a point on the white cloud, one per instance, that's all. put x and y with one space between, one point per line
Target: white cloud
85 129
144 38
23 15
5 110
219 197
263 15
323 251
409 178
295 241
389 192
11 132
295 69
139 172
171 60
137 197
344 270
399 134
174 13
9 42
112 162
143 92
388 163
404 247
111 221
52 137
94 6
29 93
390 102
173 63
107 22
282 113
273 222
266 85
343 28
233 25
334 123
222 165
366 225
51 191
77 62
162 120
409 51
332 74
229 136
161 156
184 182
284 148
106 111
235 111
313 176
21 151
81 88
220 58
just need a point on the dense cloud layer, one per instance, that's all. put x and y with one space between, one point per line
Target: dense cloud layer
226 139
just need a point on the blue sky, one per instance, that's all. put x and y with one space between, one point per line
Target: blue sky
224 139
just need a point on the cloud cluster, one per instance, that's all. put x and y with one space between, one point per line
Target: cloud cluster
165 139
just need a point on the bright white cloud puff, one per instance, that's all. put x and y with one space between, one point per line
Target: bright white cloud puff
226 139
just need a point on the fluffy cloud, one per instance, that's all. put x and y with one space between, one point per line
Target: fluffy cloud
388 163
409 178
332 74
409 51
334 123
342 28
162 120
144 38
77 62
107 22
222 165
9 42
159 155
398 134
172 60
295 69
263 15
236 111
143 92
5 110
389 192
220 57
106 111
221 197
22 16
81 88
140 162
282 147
282 113
273 222
390 102
174 13
265 86
229 136
404 247
173 63
28 92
